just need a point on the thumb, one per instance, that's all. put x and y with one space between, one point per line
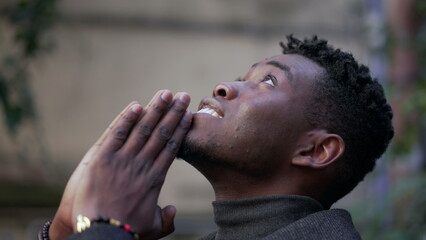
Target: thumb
168 214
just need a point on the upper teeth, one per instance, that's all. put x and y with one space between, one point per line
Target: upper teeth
209 111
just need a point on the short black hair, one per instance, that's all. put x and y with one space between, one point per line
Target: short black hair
346 101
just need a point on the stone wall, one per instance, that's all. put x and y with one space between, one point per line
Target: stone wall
109 53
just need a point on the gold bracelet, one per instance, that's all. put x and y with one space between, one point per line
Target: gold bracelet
84 223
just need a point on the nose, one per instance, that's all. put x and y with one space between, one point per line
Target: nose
225 90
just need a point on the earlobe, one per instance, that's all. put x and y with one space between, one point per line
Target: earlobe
320 150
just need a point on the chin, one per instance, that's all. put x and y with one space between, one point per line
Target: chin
196 154
190 151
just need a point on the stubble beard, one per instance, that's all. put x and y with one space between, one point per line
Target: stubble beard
200 157
192 152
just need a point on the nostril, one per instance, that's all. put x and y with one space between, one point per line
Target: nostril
221 92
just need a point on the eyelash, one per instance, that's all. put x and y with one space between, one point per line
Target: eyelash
266 78
270 77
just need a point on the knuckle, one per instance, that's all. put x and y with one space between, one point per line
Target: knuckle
179 109
129 118
158 181
139 167
173 146
158 108
145 129
185 124
164 133
103 165
120 133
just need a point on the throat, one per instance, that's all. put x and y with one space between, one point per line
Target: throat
231 183
255 218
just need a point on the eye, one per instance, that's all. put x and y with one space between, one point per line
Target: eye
271 80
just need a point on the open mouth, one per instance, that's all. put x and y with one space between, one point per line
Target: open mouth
210 106
208 110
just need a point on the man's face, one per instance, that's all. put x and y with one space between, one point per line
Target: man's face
253 124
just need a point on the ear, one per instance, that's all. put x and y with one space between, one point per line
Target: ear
318 149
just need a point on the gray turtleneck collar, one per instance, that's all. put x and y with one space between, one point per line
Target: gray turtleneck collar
255 218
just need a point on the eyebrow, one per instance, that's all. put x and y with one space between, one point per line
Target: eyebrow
283 67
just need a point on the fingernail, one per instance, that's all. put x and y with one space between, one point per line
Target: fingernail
137 108
184 97
166 96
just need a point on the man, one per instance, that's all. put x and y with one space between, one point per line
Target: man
279 146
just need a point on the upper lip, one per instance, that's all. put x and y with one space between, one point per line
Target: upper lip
212 104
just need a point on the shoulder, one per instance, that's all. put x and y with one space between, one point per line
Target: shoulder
327 224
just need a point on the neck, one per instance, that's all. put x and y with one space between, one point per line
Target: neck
266 215
229 183
232 187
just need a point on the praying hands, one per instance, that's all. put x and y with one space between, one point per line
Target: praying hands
121 176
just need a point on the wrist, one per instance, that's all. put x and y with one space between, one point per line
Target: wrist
59 231
84 223
44 232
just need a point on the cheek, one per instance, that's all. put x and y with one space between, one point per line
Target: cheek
260 119
258 130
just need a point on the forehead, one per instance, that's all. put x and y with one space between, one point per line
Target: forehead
296 63
298 69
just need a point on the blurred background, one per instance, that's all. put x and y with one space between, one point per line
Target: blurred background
67 67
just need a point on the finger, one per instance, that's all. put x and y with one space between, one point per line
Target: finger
143 130
163 224
167 217
159 94
169 152
88 156
112 124
164 130
120 129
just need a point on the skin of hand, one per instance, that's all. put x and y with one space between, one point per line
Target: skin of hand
122 174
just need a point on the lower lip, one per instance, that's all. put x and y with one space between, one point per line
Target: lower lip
204 115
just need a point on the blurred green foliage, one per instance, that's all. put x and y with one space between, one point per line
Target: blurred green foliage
400 213
29 20
397 215
421 8
414 106
13 194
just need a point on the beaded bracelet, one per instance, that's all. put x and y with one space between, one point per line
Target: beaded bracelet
44 232
84 223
